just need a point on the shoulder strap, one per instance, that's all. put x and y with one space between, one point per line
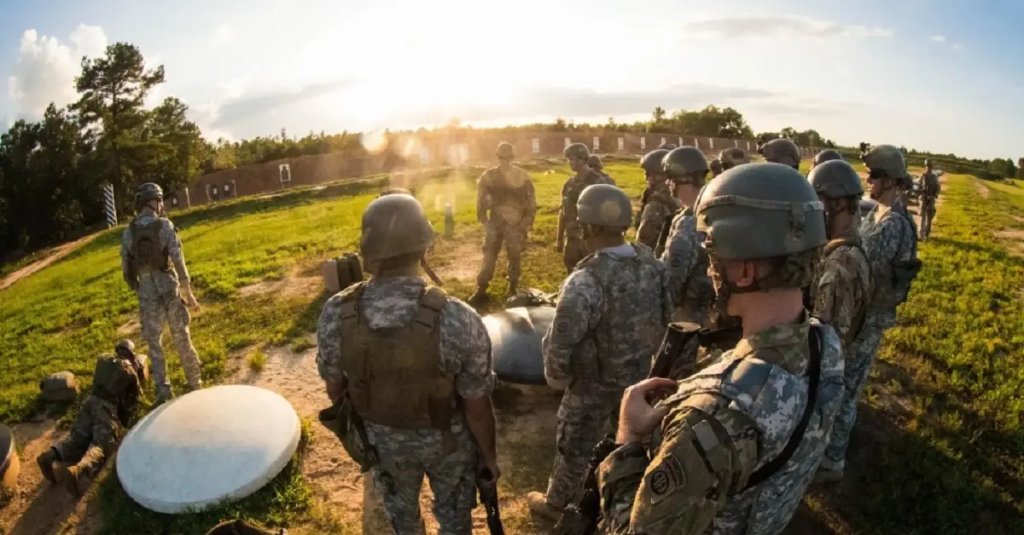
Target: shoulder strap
773 466
429 311
350 303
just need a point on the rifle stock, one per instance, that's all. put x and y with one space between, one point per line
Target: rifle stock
487 487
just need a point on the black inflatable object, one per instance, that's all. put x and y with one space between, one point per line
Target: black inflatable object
516 335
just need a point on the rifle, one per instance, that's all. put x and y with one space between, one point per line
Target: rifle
581 516
487 487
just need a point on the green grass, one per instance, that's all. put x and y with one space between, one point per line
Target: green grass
257 360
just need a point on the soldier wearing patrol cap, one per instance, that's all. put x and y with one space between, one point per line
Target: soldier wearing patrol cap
782 151
612 311
569 237
890 241
734 446
414 364
658 205
505 205
153 265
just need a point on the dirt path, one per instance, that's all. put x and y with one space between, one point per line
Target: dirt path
52 256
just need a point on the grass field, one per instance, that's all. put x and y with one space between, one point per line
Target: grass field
938 451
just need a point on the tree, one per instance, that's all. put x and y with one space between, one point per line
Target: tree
176 147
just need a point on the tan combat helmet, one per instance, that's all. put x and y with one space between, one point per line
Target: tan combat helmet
604 205
595 162
888 160
732 157
394 225
782 151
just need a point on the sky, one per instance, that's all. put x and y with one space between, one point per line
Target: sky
945 76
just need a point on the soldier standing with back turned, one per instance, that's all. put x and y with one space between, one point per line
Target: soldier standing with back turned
153 265
506 205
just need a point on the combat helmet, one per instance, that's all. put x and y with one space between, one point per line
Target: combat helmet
715 165
782 151
595 163
680 165
826 155
836 179
888 160
732 157
604 205
394 225
124 344
577 151
149 191
651 162
505 151
760 210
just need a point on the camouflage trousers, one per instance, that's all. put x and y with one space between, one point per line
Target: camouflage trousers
575 250
582 417
92 437
450 466
514 240
857 367
168 308
927 214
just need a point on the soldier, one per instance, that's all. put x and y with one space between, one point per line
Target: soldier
149 247
825 156
596 164
930 189
684 257
890 241
569 239
715 165
611 314
782 151
108 409
739 440
505 205
657 211
732 157
415 364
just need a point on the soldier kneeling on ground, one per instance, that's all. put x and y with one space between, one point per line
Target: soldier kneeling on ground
116 389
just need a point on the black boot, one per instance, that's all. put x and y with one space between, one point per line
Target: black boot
480 297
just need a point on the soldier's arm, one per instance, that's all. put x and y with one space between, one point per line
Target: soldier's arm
127 271
651 221
832 304
687 479
475 378
560 236
531 203
174 251
482 198
579 305
328 354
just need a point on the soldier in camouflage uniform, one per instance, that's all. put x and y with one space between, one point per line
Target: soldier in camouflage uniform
657 211
569 238
109 408
890 241
732 157
596 164
149 249
734 446
683 255
782 151
415 364
505 205
611 314
826 156
930 189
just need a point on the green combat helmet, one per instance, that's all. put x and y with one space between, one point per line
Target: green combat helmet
760 210
782 151
577 151
394 225
651 162
682 164
836 179
505 151
604 205
826 155
595 163
732 157
889 160
150 191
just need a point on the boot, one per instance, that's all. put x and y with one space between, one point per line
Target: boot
45 462
538 503
513 288
163 394
480 297
73 479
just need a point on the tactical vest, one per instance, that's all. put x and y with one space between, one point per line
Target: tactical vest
632 319
147 253
893 285
110 379
394 375
508 202
698 292
756 388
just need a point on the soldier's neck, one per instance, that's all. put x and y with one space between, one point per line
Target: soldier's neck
411 270
764 310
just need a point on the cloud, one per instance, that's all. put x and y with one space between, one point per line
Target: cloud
957 46
237 109
777 27
46 68
938 38
225 33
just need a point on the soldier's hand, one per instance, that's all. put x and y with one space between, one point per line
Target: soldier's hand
492 466
638 415
190 299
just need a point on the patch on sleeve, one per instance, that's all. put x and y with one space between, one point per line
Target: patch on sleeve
666 478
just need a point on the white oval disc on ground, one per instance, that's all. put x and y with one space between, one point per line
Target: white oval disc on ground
216 444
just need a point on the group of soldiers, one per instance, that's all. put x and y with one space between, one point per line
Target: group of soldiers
787 260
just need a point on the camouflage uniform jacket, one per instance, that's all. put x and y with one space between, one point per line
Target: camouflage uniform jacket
392 302
611 314
508 194
930 187
842 286
656 214
571 193
687 264
153 283
725 422
890 237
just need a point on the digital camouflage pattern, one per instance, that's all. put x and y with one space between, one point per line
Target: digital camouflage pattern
611 314
575 247
656 214
406 455
725 422
686 262
842 286
160 302
506 205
